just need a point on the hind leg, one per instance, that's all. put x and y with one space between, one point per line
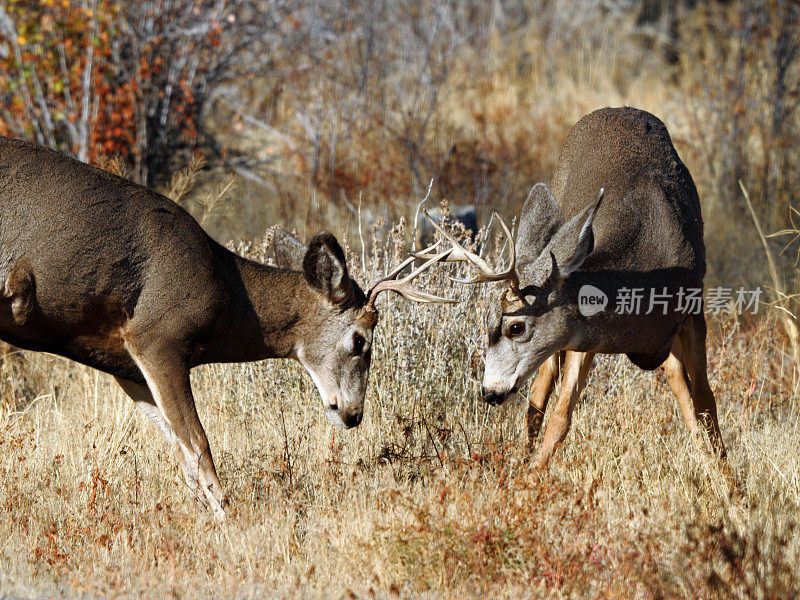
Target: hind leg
540 393
685 369
693 345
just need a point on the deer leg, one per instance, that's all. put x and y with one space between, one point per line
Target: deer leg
693 344
678 380
574 375
537 402
167 376
690 385
145 402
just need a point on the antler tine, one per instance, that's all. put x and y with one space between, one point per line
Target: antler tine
425 254
459 253
485 274
403 286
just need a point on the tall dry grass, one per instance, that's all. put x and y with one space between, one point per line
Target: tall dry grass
432 496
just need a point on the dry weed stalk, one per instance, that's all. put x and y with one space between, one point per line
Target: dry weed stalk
787 317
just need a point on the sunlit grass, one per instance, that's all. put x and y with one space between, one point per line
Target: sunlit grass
432 494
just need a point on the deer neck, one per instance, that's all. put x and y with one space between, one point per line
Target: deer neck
265 313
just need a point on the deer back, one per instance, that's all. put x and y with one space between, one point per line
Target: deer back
651 211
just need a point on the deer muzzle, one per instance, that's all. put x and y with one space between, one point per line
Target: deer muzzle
496 398
342 417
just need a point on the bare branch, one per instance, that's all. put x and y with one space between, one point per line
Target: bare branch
86 93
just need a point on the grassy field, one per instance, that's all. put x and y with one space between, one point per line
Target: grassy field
432 496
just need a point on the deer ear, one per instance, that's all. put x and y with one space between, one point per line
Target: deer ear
289 251
566 251
585 241
541 217
325 268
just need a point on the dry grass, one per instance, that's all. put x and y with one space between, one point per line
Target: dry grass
431 496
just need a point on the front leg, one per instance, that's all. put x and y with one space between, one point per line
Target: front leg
145 402
166 370
537 401
574 375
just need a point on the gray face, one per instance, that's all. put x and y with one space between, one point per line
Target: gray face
333 335
523 333
334 340
519 341
338 362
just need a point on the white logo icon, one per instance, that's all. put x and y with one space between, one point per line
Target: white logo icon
591 300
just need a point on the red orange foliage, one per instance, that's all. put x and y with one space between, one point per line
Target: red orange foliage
76 79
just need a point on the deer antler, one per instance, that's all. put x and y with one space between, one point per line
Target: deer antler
403 286
484 273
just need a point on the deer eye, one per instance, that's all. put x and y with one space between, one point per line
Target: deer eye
358 343
516 329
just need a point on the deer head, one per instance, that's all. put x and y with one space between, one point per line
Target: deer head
335 343
536 315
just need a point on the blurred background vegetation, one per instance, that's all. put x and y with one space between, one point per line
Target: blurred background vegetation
337 115
311 113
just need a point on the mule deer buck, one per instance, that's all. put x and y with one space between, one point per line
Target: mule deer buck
117 277
643 232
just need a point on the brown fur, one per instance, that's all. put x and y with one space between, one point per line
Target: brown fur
648 233
120 278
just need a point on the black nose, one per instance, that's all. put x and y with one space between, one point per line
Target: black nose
352 419
495 398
